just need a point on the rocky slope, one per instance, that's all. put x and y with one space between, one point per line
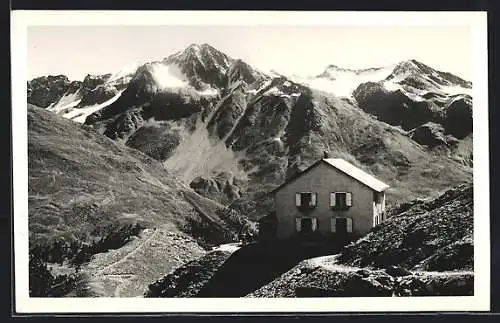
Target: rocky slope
310 279
89 195
233 133
421 235
189 279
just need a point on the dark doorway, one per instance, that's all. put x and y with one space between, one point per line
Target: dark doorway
306 225
341 225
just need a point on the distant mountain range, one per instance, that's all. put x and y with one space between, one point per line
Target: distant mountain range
233 132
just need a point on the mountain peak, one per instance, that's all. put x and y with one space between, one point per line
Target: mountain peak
199 48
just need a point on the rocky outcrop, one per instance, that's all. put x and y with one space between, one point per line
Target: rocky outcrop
458 116
43 91
240 70
430 134
395 107
223 187
206 187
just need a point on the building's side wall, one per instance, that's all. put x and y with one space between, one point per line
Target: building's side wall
323 180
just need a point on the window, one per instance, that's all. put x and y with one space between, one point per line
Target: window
306 225
341 200
305 200
341 225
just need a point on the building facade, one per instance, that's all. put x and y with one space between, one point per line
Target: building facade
330 198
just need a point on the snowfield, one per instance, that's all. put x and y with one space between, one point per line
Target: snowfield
229 247
66 102
169 76
342 82
79 115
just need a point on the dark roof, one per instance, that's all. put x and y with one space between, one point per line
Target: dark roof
346 168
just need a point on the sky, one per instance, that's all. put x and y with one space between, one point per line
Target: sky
76 51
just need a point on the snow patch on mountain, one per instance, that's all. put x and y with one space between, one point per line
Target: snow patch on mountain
264 85
208 92
342 82
79 115
66 102
168 76
452 90
125 73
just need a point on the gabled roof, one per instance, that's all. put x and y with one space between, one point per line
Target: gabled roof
346 168
357 173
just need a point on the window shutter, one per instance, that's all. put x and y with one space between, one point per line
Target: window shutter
349 225
333 223
314 224
348 199
332 199
298 224
313 199
297 199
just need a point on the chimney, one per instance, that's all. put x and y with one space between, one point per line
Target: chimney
326 154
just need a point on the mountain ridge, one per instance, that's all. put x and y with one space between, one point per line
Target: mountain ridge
258 129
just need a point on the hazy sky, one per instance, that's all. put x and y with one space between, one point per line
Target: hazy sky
79 50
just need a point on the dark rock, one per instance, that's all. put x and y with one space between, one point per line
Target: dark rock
45 90
429 134
155 141
97 95
357 286
395 108
396 271
363 273
240 70
458 116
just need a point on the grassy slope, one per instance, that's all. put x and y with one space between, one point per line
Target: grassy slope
82 186
80 180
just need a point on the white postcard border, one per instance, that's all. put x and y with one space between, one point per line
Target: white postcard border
20 20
